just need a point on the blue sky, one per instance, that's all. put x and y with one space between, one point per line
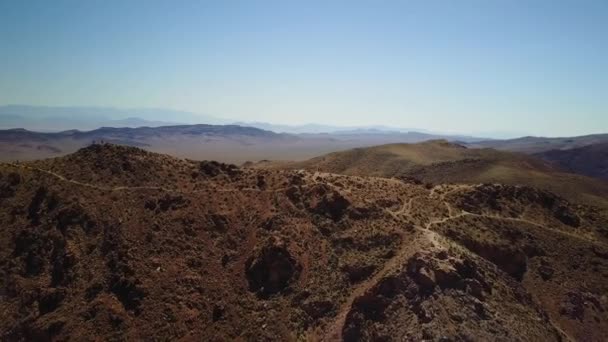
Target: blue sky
533 67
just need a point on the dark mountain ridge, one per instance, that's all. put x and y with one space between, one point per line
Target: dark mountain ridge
532 144
590 160
199 129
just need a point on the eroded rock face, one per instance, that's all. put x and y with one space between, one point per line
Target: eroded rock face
271 271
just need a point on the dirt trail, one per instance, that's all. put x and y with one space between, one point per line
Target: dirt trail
334 329
523 220
134 188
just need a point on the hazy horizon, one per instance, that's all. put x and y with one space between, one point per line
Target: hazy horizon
103 114
462 68
91 115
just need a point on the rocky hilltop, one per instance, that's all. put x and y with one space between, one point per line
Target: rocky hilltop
118 243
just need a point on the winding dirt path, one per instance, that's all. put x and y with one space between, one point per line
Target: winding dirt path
333 332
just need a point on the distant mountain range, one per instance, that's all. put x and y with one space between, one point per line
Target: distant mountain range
237 144
33 132
228 143
541 144
55 119
318 128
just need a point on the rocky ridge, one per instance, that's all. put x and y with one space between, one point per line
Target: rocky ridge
116 243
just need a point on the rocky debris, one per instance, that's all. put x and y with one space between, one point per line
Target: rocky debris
121 277
294 194
565 215
271 270
573 306
218 312
435 270
296 179
128 291
509 258
261 182
50 299
33 330
44 245
371 306
424 275
363 243
214 169
357 273
273 223
317 308
74 215
576 304
171 202
362 213
436 296
545 270
12 179
408 179
166 202
418 269
217 223
36 208
600 251
513 261
8 184
325 201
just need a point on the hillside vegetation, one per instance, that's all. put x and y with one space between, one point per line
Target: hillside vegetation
439 162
